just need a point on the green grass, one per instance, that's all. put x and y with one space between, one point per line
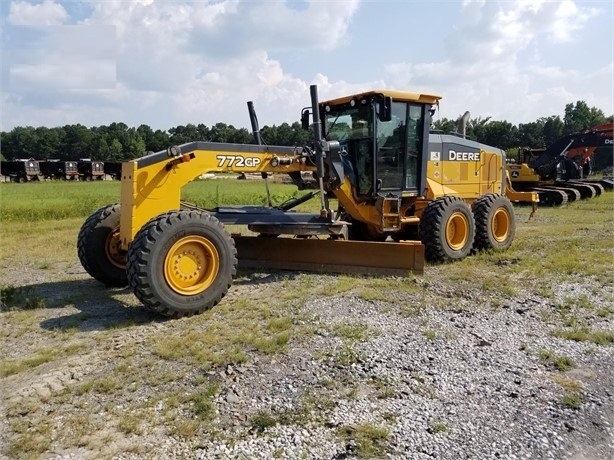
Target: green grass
354 332
585 334
20 298
262 420
558 243
54 200
202 401
31 442
559 362
58 200
370 439
572 400
232 332
38 358
437 427
430 334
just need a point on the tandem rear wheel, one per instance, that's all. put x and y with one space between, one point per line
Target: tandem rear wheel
447 229
495 222
181 263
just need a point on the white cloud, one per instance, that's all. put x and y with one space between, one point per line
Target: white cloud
64 74
209 57
551 72
63 57
485 71
568 19
173 62
45 14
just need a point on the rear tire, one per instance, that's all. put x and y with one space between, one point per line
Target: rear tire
99 248
181 263
447 229
495 222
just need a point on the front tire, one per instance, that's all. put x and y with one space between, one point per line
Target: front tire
495 222
447 229
99 247
181 263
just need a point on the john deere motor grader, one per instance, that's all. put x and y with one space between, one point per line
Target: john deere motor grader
441 197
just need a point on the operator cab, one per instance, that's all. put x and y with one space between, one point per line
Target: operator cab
382 136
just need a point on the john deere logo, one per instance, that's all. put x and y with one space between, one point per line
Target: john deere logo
453 155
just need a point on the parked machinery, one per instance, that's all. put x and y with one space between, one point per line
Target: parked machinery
90 170
371 155
556 173
113 169
21 170
57 169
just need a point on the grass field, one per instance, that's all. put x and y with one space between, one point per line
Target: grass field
56 200
54 316
40 221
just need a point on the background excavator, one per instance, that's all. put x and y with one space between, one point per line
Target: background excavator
581 166
559 172
401 195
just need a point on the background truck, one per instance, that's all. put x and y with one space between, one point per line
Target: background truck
21 170
90 170
56 169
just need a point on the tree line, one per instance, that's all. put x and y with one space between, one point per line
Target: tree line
119 142
540 133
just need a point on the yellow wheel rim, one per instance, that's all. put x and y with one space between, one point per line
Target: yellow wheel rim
500 224
113 249
457 231
191 265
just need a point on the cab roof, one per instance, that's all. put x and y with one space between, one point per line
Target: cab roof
404 96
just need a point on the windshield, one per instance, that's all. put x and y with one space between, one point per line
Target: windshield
353 128
348 123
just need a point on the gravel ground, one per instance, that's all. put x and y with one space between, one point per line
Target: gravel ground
472 386
463 381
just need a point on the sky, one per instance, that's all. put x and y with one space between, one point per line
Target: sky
166 63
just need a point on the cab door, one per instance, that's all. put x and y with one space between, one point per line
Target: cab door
391 148
399 146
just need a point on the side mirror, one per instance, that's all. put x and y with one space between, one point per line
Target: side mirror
385 109
305 119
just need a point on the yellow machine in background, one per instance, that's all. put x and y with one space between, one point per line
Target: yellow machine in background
400 194
558 173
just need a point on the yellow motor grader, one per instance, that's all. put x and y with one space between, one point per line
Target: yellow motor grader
401 194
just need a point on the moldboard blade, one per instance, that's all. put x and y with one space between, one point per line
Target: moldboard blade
337 256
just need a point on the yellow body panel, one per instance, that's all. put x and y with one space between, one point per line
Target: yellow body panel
362 211
520 197
403 96
466 179
522 173
149 191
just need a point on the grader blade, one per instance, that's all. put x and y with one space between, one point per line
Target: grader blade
336 256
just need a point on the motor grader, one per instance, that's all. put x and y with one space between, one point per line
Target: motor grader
401 195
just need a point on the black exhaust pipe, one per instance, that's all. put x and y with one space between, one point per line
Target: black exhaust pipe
254 121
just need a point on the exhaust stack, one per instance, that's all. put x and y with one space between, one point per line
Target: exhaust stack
461 124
